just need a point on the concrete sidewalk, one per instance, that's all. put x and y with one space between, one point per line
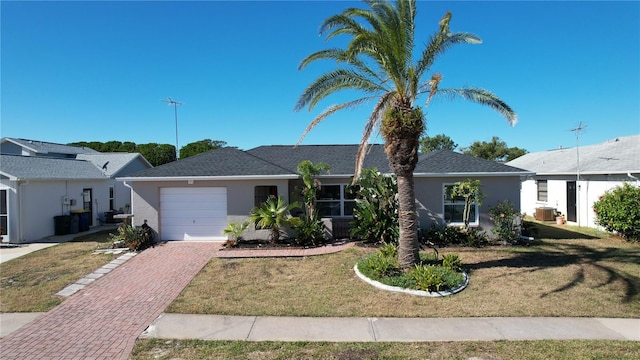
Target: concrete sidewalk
331 329
267 328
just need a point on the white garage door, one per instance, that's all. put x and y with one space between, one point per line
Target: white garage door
193 213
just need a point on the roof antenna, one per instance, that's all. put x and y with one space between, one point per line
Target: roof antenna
578 131
175 108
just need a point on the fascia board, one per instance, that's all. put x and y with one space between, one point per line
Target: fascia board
202 178
574 173
474 174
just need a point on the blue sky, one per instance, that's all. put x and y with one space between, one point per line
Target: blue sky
96 71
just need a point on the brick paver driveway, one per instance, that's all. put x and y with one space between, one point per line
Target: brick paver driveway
103 320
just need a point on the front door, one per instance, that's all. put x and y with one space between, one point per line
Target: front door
87 203
571 201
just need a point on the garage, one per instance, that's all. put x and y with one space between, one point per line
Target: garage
193 213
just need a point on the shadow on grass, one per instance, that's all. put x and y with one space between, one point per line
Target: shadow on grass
557 255
555 232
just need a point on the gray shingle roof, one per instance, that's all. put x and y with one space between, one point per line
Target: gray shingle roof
616 156
43 147
219 162
449 162
284 159
44 168
341 158
116 161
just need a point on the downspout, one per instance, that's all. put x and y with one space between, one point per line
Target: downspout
20 211
130 198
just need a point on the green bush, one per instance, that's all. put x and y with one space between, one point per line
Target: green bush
504 217
131 237
375 215
432 274
310 231
435 278
451 235
452 262
618 210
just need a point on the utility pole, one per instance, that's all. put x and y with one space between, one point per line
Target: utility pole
577 131
175 109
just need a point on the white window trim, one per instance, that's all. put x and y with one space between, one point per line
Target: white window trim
475 222
342 200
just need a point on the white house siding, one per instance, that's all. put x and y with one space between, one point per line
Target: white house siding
429 197
32 205
591 187
240 197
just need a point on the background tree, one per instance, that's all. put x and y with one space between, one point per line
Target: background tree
495 150
201 146
157 154
379 62
438 142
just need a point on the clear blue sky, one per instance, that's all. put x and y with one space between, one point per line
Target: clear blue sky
96 71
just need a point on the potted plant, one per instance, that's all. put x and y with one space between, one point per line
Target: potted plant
560 220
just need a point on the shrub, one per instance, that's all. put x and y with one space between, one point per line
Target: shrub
310 231
618 210
273 215
452 262
504 217
435 278
378 266
451 235
132 237
235 230
376 210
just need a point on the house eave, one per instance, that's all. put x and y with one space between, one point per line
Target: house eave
474 174
569 173
209 178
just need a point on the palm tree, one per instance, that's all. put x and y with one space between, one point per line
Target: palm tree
379 61
273 215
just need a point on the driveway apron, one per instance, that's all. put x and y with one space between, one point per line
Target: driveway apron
104 320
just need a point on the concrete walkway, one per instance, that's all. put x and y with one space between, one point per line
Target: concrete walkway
266 328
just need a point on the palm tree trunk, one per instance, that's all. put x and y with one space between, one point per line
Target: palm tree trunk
409 248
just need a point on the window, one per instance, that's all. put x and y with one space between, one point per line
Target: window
335 201
542 190
454 208
262 193
112 198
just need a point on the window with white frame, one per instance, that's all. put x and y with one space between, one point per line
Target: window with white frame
112 198
335 201
453 208
4 213
542 190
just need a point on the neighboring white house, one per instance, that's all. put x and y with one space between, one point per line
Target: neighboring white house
570 180
41 180
195 198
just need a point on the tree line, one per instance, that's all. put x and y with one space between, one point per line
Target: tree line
495 150
156 154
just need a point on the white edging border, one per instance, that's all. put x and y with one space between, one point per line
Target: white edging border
382 286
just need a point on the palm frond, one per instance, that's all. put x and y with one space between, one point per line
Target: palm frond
374 121
483 97
329 111
332 82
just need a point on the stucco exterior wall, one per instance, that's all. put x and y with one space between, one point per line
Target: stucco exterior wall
430 198
240 198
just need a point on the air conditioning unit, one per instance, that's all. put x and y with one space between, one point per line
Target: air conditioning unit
545 214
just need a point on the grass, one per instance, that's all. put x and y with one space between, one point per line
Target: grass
494 350
576 277
29 283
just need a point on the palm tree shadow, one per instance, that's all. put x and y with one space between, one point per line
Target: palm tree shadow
565 254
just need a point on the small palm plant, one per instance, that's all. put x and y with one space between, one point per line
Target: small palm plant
235 230
273 215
